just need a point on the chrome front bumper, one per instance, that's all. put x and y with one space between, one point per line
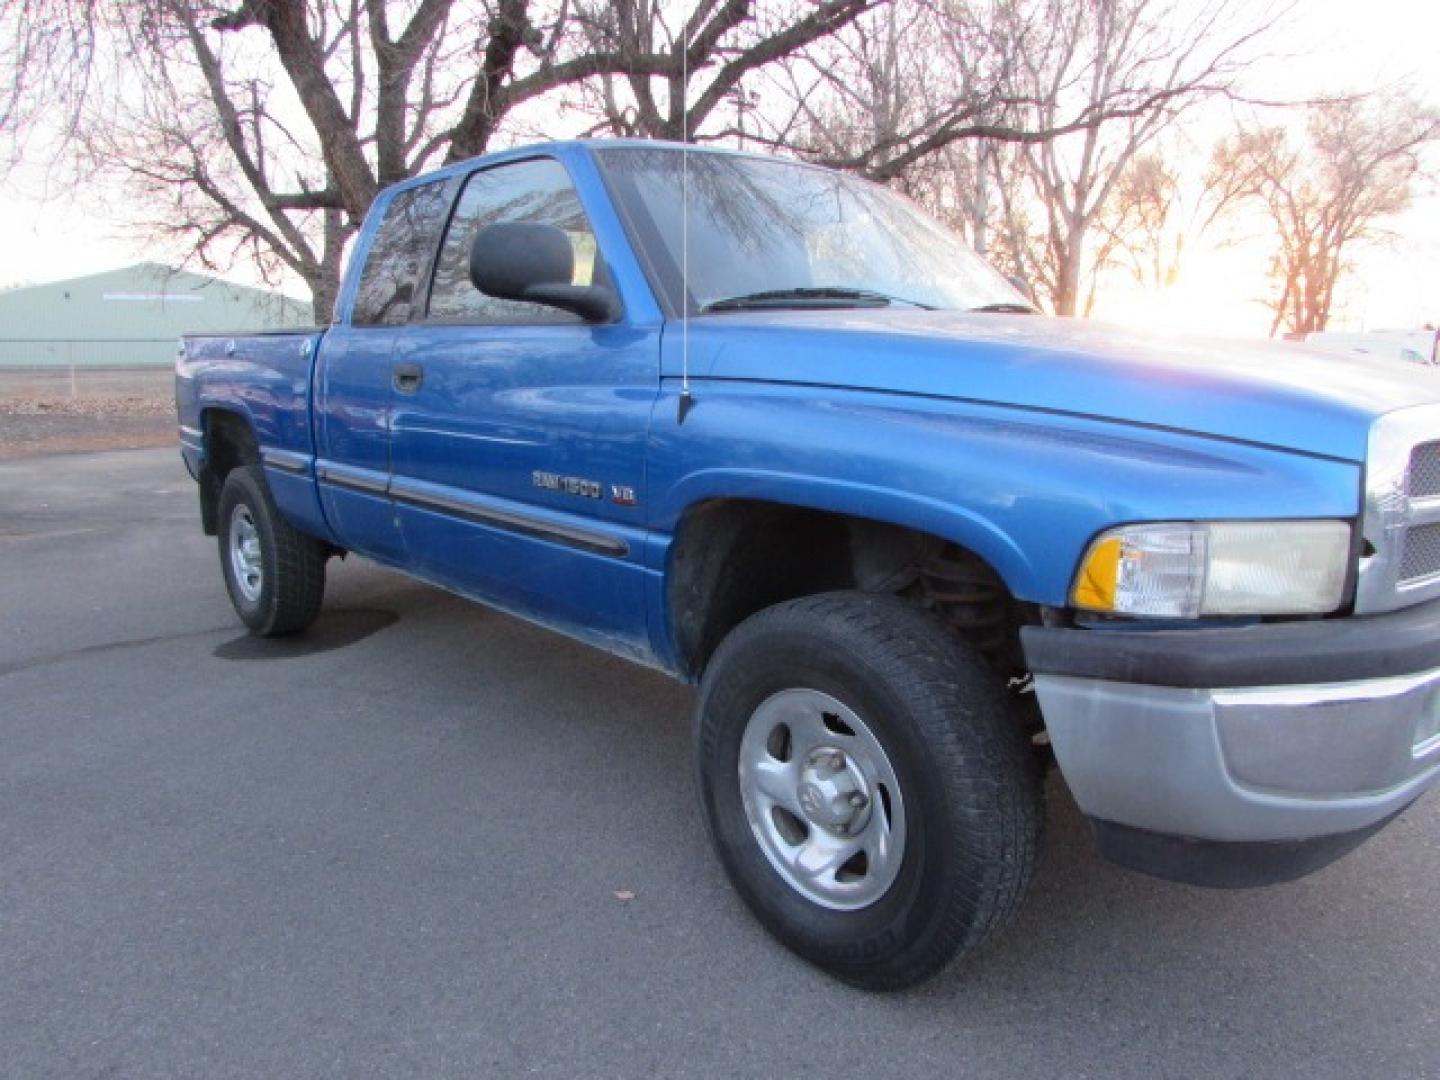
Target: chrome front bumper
1267 763
1242 755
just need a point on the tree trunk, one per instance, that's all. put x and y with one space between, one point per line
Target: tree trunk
980 204
324 290
324 281
1067 279
304 62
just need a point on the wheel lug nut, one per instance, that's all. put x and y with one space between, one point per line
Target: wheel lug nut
837 761
857 800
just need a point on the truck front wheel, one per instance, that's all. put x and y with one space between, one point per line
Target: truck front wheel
867 788
274 573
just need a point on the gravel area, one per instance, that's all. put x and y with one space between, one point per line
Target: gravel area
49 411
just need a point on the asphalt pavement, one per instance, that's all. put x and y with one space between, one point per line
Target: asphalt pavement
430 840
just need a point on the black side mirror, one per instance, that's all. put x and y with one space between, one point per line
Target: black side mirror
533 261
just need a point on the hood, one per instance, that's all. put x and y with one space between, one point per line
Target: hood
1275 394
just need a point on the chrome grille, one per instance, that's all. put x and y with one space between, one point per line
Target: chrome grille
1423 480
1400 559
1421 557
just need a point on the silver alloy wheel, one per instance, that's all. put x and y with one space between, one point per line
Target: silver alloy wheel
822 799
245 557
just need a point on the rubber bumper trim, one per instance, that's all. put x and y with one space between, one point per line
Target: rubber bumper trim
1265 654
1225 864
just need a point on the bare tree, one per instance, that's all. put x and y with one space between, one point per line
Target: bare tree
265 129
1320 195
711 49
896 93
1134 66
1014 120
1142 227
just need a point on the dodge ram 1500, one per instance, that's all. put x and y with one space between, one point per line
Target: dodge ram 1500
771 429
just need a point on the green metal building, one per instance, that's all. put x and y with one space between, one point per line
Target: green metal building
131 317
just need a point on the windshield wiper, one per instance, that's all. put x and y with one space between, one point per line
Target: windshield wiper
820 296
1003 308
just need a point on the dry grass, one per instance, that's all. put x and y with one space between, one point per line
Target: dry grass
52 412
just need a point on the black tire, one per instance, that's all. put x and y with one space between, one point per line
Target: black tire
944 720
292 565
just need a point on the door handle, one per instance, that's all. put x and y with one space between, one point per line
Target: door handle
406 378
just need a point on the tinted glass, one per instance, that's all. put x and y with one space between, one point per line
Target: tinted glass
398 256
537 190
757 224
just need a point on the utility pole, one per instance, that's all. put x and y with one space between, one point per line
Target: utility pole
744 101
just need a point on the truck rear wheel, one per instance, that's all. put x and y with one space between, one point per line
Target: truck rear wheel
867 789
274 573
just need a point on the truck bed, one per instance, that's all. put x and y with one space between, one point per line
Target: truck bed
266 373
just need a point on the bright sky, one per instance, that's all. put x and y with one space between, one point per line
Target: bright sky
48 234
1338 46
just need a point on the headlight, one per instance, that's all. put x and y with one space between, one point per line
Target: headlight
1188 569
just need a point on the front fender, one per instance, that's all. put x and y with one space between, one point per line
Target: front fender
1023 489
960 524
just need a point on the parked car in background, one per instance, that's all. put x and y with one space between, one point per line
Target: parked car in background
770 429
1411 346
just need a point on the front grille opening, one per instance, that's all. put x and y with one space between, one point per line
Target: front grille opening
1424 472
1421 557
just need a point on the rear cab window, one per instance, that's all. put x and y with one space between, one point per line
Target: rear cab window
394 268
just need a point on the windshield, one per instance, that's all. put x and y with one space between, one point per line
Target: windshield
759 225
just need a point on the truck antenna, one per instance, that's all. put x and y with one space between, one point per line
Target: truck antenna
687 400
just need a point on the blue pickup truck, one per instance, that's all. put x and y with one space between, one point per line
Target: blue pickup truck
772 430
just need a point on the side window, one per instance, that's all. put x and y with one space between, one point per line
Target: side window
538 190
398 255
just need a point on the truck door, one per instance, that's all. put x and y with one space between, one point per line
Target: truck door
518 431
354 377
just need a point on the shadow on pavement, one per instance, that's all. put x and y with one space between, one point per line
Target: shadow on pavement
333 630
